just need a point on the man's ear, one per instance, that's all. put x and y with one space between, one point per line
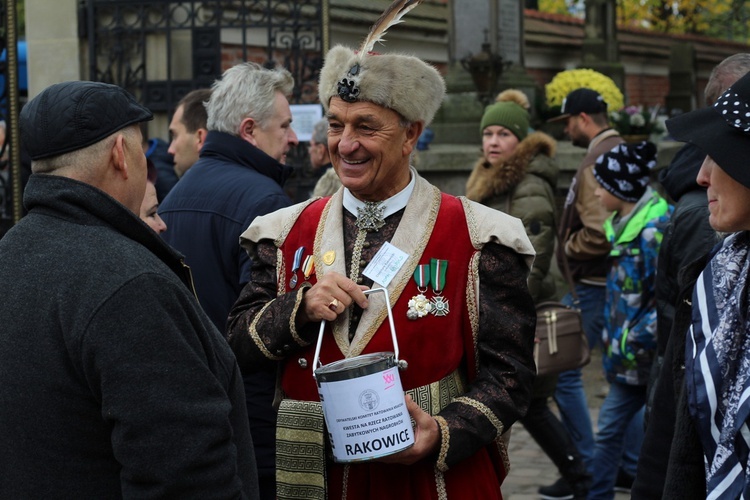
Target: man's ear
247 130
413 131
202 133
118 156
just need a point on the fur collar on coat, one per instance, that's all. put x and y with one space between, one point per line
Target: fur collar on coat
487 180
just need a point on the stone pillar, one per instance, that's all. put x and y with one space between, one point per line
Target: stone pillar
600 51
681 97
54 49
472 24
457 121
511 46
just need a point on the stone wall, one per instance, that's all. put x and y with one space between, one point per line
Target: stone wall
448 165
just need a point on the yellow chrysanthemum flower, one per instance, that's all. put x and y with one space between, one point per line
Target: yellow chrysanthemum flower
567 81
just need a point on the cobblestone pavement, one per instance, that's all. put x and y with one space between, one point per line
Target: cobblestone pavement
530 467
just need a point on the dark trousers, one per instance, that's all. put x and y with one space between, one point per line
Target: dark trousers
554 440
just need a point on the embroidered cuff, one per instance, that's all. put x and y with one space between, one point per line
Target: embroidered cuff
445 438
484 410
293 317
253 332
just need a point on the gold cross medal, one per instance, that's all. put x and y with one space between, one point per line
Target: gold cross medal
419 305
438 270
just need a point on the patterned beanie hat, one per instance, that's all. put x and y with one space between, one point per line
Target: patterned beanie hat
625 170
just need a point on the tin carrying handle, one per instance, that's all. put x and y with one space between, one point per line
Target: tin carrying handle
400 364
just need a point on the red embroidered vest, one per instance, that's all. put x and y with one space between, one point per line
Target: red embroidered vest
433 346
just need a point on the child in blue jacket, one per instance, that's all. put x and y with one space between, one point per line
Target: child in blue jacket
635 231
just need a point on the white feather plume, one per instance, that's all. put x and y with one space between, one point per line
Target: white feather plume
390 17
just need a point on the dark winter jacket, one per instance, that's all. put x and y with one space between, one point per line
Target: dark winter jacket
524 186
688 236
670 468
113 382
215 201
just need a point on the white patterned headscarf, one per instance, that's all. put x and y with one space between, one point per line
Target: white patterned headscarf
717 368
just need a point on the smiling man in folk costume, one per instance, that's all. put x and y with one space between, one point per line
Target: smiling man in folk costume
463 314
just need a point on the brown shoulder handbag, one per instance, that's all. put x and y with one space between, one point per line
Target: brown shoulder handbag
560 343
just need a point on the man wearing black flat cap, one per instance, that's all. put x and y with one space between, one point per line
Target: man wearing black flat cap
113 381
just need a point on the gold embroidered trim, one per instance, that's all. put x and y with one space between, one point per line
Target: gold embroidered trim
440 485
345 487
359 244
280 273
484 410
503 450
472 303
471 222
293 318
291 220
397 285
253 332
319 231
445 438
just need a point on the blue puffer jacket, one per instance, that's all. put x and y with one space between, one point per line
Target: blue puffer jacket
630 312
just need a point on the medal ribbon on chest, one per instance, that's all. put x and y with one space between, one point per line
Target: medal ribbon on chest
438 272
419 305
308 268
295 267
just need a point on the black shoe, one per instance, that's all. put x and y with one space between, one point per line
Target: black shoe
624 482
559 490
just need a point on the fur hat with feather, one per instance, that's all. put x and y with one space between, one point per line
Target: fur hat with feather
400 82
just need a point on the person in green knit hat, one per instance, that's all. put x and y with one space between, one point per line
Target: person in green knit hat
517 174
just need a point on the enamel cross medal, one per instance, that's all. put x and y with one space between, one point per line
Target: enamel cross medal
438 269
419 305
295 267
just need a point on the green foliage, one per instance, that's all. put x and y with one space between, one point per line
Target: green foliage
723 19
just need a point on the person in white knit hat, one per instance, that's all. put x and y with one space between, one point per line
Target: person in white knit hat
455 272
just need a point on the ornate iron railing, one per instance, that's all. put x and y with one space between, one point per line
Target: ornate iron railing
10 178
142 45
160 50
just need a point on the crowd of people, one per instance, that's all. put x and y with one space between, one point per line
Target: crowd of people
168 305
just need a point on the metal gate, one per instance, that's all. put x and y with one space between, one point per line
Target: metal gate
159 49
10 155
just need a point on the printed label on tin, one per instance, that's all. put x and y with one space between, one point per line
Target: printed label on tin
367 416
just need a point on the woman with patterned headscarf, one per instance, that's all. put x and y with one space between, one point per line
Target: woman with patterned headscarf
707 364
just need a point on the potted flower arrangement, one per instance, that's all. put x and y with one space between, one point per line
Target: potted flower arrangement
567 81
636 123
